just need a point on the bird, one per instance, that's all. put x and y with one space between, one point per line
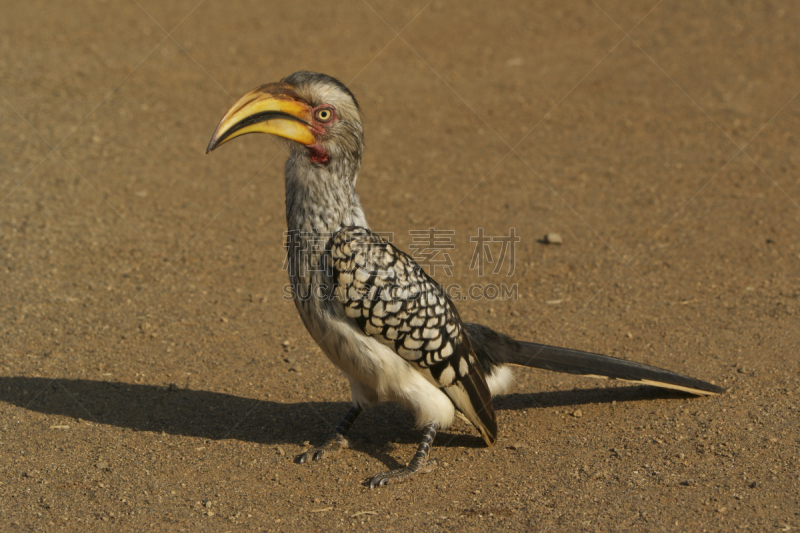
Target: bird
387 325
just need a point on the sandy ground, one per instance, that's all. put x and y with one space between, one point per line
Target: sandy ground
152 377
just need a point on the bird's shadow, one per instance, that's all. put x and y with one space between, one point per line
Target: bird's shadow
214 415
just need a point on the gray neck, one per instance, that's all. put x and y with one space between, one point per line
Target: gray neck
321 199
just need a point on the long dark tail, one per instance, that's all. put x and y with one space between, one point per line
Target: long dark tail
494 349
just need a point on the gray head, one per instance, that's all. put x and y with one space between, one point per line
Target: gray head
317 114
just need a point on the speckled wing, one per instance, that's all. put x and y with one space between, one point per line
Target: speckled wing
390 298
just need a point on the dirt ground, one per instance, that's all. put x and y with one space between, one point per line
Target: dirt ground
153 377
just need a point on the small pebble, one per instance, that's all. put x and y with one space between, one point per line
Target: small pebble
102 465
578 413
553 238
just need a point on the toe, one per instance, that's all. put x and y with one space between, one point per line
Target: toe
379 480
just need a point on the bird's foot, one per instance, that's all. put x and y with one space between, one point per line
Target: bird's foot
401 474
337 443
420 464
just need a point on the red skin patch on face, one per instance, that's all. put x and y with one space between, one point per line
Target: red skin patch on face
315 151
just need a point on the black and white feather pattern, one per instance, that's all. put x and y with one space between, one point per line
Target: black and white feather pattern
376 315
392 299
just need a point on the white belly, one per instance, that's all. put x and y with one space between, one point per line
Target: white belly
375 372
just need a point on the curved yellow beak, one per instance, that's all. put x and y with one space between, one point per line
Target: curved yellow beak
273 108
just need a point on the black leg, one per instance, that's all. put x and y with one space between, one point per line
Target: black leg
419 463
337 442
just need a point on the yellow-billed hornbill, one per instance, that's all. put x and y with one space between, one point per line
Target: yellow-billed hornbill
387 325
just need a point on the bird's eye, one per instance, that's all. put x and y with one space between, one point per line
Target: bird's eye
324 115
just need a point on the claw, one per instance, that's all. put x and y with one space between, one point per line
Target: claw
335 443
420 464
379 480
401 474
